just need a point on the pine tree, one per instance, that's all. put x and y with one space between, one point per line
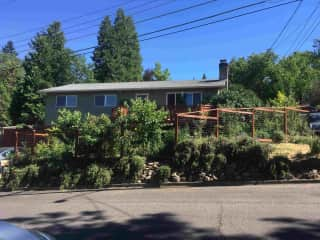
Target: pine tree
204 76
27 105
156 74
117 57
49 64
9 49
11 71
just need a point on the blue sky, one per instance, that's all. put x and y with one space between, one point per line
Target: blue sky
187 55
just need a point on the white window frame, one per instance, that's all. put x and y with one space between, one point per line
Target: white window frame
142 94
67 106
105 100
175 100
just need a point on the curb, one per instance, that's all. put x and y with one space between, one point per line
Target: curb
133 186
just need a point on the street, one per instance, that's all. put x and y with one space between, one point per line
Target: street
242 212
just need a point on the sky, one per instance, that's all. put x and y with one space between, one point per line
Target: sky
187 54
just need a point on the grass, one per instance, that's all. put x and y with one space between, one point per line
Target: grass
291 150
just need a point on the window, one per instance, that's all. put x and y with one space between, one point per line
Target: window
196 98
67 101
188 98
99 101
105 101
143 96
171 99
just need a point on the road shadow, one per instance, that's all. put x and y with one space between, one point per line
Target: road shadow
93 225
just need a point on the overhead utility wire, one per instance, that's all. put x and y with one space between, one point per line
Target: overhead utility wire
202 25
68 19
137 22
286 25
300 34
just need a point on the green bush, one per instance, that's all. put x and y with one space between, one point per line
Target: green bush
136 167
279 167
278 137
21 177
70 180
186 158
315 145
219 164
129 168
163 174
207 155
97 177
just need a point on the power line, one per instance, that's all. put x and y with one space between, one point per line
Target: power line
202 25
77 52
301 32
68 19
286 25
137 22
309 35
196 20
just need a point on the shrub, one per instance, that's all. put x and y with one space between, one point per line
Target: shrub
136 167
186 157
315 145
278 136
218 164
21 177
70 180
97 177
163 173
206 156
129 168
279 167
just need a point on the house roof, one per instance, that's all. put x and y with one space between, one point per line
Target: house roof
129 86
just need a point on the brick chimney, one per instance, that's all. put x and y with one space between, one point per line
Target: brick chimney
224 71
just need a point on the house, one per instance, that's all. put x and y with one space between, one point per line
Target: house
98 98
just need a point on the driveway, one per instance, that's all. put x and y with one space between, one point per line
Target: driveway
245 212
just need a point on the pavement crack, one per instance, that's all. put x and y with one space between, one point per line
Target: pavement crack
220 221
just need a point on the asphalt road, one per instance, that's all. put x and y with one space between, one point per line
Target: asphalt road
245 212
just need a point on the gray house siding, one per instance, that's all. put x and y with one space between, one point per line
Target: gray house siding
86 102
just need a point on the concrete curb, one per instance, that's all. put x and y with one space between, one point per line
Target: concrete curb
133 186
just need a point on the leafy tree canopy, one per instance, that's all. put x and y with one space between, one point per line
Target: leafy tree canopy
156 74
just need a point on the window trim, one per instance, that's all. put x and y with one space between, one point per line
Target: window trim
66 98
182 93
142 94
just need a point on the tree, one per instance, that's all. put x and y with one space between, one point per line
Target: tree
204 76
11 72
9 49
236 96
156 74
258 72
81 71
49 64
117 57
27 105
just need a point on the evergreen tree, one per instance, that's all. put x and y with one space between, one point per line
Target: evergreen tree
204 76
48 64
27 106
117 57
9 49
11 71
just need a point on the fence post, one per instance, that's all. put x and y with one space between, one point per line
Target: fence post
16 146
286 124
217 125
253 125
176 128
33 140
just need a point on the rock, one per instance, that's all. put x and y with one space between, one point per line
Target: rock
139 181
175 177
207 179
183 179
214 178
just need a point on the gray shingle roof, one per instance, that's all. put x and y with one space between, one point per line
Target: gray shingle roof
129 86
